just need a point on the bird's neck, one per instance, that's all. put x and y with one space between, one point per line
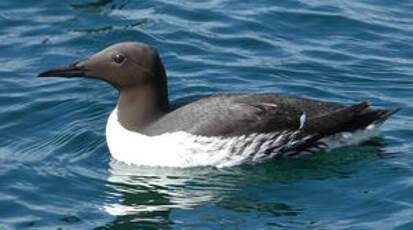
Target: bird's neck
139 106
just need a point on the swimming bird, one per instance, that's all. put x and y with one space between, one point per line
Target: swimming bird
220 130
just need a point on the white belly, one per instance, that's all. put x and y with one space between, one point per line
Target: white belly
181 149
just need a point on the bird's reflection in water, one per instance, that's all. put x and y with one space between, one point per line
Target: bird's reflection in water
148 194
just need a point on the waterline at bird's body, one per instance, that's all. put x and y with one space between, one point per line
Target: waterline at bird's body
182 149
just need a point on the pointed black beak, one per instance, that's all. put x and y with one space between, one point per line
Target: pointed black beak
70 70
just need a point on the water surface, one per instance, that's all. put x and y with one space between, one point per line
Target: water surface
56 171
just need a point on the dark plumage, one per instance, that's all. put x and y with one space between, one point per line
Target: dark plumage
241 114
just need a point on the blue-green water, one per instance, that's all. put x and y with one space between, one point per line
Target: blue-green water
56 171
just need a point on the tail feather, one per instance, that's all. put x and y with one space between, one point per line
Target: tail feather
385 114
333 122
369 117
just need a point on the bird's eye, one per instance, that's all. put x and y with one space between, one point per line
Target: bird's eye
119 58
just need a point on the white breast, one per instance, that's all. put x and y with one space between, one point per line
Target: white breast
181 149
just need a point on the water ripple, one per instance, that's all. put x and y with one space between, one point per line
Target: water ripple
56 170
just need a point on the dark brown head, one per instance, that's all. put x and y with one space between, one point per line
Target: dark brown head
124 65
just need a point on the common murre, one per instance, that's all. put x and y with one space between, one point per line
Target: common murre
219 130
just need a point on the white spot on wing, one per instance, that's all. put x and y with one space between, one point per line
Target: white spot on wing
302 120
269 104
